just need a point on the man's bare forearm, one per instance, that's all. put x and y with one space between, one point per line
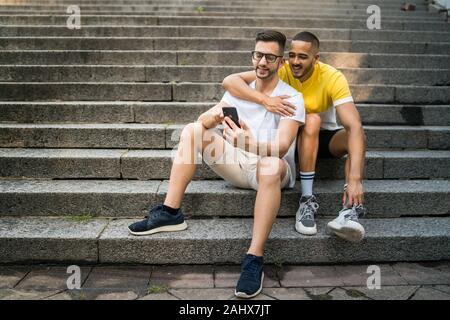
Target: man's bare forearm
235 85
208 120
356 153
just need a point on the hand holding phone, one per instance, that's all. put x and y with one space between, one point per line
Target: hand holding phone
231 113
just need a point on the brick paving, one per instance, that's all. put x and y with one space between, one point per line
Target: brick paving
399 281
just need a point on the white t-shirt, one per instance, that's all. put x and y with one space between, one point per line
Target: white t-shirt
264 124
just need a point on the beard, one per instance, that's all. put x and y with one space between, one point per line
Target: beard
267 73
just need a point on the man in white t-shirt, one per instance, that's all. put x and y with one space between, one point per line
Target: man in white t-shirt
257 155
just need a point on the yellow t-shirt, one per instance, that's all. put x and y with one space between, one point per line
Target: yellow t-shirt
322 92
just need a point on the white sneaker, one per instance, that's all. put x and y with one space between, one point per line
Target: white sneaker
304 218
346 225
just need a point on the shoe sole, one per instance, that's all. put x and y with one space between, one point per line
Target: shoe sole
307 231
355 234
248 296
171 228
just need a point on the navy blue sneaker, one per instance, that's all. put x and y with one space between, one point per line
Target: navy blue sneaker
252 276
158 220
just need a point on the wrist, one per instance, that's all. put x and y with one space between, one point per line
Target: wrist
262 100
208 123
353 179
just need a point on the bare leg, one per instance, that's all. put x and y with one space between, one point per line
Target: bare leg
268 200
194 139
308 143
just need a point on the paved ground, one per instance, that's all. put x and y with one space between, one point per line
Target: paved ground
399 281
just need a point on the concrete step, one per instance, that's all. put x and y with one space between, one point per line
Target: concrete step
180 43
192 7
217 241
156 164
361 93
116 73
387 3
376 137
159 136
221 58
261 22
152 91
219 32
392 16
269 5
132 198
182 112
311 14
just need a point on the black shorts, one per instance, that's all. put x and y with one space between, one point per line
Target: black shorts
325 137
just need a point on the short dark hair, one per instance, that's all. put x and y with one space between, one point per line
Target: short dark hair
272 36
307 37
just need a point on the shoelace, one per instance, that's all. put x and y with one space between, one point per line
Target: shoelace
360 210
354 212
250 269
308 212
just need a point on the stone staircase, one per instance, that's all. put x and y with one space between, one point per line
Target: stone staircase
88 119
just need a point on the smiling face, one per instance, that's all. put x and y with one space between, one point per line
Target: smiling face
302 57
263 68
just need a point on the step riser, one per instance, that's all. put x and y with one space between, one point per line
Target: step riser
218 32
210 251
72 91
390 17
131 165
276 250
213 253
206 199
230 58
210 44
184 113
376 137
159 138
202 74
101 92
36 251
222 242
218 2
411 115
360 93
244 22
84 138
336 9
316 14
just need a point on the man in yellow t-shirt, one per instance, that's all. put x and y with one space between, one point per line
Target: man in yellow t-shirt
326 93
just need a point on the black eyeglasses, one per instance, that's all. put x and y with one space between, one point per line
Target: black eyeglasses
269 57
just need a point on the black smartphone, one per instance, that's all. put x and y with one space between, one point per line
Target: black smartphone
231 113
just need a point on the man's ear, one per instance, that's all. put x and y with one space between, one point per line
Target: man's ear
317 56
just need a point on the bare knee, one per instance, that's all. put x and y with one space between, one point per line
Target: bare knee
270 170
191 129
192 133
312 124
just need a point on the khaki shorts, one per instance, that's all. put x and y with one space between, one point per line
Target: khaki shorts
238 167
